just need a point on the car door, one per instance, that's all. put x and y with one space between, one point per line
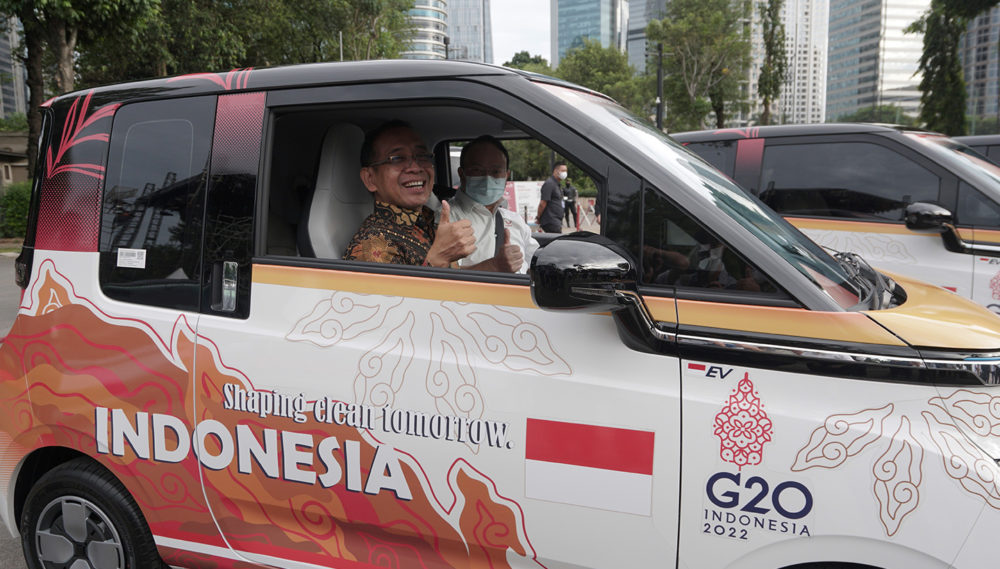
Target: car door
849 193
374 415
978 217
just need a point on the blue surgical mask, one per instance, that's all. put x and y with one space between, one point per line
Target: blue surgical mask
485 189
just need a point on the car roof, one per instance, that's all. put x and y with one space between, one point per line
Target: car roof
980 139
297 76
789 130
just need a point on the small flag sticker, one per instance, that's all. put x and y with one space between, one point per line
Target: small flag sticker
587 465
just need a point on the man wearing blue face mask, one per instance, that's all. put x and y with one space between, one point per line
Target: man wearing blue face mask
483 174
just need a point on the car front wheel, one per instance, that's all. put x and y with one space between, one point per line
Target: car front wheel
79 516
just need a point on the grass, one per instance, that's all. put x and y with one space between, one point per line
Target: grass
10 245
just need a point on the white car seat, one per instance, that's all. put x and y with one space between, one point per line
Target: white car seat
340 201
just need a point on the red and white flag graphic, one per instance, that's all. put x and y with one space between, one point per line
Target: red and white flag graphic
587 465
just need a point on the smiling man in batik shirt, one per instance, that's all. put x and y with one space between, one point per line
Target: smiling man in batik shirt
398 169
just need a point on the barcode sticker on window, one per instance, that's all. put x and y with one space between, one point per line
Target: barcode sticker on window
132 258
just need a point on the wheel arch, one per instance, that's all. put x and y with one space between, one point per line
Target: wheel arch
838 552
34 465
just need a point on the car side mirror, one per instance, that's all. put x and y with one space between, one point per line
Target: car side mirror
582 271
923 217
591 273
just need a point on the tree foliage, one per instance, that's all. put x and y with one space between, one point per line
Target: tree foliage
14 209
942 88
888 114
248 33
527 62
606 70
707 54
774 68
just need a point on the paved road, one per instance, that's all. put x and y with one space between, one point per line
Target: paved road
10 548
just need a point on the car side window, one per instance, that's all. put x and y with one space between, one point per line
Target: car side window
976 209
721 154
317 200
679 251
154 193
855 180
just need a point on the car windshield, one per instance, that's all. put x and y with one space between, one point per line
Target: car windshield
939 142
770 228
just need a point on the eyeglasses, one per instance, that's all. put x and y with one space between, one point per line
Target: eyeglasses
491 172
401 160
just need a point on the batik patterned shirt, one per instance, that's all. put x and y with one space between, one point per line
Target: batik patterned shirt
392 234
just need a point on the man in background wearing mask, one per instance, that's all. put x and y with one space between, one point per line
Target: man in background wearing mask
550 208
483 173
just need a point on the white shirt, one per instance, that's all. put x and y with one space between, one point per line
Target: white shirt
464 207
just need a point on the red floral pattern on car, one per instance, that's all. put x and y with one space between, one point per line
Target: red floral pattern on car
742 426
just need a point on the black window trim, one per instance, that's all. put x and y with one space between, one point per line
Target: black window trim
435 93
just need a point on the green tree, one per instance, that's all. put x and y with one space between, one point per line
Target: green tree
942 88
890 114
522 59
707 53
14 209
527 62
248 33
606 70
774 68
55 26
16 122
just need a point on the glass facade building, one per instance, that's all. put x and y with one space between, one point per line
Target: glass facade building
871 62
13 78
803 98
575 20
470 29
429 19
978 50
640 13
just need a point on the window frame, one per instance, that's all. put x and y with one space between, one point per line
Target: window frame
947 187
431 92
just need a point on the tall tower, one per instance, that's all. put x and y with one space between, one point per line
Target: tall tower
13 85
430 30
803 98
980 61
871 61
575 20
640 13
471 30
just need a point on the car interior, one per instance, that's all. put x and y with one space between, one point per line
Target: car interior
316 200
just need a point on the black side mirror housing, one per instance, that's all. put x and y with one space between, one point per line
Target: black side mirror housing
582 271
923 217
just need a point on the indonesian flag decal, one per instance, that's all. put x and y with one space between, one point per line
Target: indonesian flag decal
586 465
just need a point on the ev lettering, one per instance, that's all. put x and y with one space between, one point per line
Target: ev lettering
790 499
716 371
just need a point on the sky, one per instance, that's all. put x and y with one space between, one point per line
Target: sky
520 25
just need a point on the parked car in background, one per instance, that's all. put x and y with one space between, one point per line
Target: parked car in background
986 144
909 201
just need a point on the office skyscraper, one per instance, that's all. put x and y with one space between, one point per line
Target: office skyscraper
640 13
803 98
430 23
576 20
871 61
980 62
13 85
471 30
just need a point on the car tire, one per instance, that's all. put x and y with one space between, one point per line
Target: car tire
79 516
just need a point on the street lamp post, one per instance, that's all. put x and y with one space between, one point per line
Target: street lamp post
659 86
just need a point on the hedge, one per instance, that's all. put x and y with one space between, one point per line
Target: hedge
14 209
